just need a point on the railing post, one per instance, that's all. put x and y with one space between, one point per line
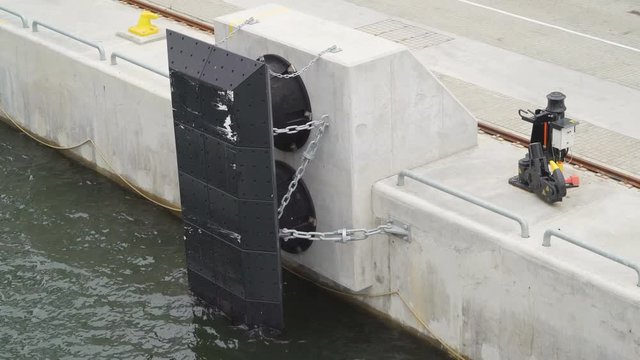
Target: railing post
25 22
546 238
524 225
103 54
115 55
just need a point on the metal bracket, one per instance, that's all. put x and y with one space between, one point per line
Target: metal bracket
399 230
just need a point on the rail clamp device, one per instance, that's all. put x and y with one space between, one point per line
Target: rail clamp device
224 144
541 171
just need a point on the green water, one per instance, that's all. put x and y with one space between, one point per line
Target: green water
90 271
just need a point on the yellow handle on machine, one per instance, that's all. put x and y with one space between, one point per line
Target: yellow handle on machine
554 166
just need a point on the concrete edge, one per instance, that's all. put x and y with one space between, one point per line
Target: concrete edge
104 171
148 82
518 246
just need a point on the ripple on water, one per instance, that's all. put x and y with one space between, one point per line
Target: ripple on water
88 271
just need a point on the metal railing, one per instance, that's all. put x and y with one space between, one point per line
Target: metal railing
100 49
25 23
524 225
551 232
116 55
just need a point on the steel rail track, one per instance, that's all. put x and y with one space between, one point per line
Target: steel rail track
171 14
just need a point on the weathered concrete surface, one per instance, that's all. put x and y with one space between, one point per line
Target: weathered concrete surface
494 295
387 113
338 11
58 89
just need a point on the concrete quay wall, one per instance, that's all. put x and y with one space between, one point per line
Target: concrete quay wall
387 113
492 295
478 289
68 97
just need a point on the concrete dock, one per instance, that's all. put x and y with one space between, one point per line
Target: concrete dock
486 47
466 277
483 280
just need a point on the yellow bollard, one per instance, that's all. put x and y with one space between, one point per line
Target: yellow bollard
144 26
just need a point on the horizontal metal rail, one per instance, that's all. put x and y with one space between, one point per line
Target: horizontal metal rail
25 23
103 55
551 232
524 225
116 55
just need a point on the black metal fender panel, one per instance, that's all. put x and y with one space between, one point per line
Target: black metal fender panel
224 144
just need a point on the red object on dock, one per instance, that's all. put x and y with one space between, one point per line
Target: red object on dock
573 180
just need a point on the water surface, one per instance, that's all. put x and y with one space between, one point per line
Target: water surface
90 271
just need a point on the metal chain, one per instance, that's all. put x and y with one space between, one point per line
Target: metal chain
249 21
342 235
331 49
296 128
308 155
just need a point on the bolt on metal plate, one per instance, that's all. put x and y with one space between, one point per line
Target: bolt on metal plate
402 231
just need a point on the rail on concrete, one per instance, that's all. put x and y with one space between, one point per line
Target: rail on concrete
546 241
116 55
524 225
25 23
100 49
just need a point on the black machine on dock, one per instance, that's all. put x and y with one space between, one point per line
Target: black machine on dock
552 135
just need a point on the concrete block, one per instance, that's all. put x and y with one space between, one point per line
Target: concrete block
141 40
387 113
491 294
69 97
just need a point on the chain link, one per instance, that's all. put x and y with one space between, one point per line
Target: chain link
308 155
296 128
342 235
331 49
249 21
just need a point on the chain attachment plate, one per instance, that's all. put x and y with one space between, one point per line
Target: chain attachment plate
400 230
